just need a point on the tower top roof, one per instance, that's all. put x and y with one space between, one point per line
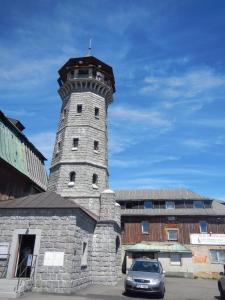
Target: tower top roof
86 61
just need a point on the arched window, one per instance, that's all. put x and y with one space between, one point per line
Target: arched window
72 179
95 179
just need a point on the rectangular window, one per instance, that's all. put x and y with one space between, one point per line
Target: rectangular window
171 218
217 256
96 112
79 108
75 143
175 259
145 227
172 234
64 113
198 204
96 145
203 227
84 254
59 146
170 205
148 204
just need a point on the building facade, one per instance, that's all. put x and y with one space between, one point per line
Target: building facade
69 236
22 169
184 230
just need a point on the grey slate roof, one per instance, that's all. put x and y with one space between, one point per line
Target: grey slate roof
45 200
158 194
217 209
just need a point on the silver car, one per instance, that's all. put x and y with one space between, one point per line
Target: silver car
146 276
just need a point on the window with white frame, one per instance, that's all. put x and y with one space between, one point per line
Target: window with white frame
145 226
172 234
170 204
84 258
203 227
217 256
175 259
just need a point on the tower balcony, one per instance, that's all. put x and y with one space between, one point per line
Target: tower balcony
86 73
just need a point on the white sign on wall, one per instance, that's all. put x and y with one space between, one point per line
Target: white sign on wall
4 250
54 259
207 239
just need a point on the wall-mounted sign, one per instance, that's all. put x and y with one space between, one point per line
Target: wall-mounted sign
4 250
54 259
207 239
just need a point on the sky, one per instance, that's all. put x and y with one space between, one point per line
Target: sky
167 120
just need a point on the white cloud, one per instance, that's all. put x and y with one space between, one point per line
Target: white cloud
202 84
132 115
197 143
19 113
129 163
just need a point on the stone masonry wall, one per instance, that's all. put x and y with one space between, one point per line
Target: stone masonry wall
106 255
59 233
84 159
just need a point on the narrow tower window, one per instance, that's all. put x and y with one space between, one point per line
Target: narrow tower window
96 146
96 112
64 114
95 181
75 143
79 108
59 146
72 179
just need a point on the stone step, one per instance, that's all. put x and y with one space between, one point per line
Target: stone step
8 295
8 288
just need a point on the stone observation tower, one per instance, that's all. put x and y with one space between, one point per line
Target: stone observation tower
79 168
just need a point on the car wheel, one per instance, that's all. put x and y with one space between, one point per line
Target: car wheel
161 295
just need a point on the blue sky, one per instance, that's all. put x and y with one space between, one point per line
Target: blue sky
167 121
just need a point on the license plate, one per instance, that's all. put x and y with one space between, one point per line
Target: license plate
142 286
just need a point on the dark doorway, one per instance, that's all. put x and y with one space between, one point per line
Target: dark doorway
25 255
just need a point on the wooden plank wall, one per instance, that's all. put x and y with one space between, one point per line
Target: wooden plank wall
132 231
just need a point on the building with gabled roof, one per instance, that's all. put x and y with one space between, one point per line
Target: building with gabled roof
183 229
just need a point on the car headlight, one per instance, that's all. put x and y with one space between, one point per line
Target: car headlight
155 281
129 278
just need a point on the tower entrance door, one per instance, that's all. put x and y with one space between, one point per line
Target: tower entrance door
25 255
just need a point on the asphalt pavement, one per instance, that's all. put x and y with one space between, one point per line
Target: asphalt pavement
176 289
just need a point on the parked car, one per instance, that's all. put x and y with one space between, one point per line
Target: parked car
146 276
221 285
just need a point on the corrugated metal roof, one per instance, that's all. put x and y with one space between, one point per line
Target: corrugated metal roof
158 246
20 135
158 194
43 200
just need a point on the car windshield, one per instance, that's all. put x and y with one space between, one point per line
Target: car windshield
146 266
